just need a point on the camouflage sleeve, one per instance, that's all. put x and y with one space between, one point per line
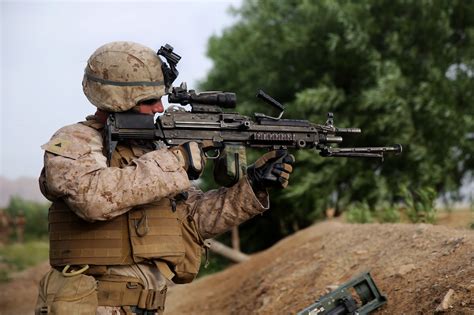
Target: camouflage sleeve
217 211
76 171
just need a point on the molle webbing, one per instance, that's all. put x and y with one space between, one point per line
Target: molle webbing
156 233
151 233
75 241
144 233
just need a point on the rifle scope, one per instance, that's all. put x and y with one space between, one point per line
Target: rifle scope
221 99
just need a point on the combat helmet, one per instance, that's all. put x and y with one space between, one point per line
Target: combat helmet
118 75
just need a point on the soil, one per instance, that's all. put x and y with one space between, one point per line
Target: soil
19 296
457 218
414 266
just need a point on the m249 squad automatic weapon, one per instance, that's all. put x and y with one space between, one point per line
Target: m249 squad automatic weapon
229 133
365 298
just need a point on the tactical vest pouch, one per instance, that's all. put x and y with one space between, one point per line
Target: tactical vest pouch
74 241
60 295
187 270
155 233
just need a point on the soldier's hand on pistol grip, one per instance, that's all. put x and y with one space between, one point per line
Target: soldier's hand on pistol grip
272 170
191 157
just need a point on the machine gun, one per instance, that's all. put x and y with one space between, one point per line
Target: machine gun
342 302
229 133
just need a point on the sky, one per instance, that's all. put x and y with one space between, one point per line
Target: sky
45 46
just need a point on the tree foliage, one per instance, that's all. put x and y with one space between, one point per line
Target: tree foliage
35 214
402 70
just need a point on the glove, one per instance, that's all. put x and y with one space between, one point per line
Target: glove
191 157
272 170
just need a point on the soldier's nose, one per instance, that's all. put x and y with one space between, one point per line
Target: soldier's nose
157 107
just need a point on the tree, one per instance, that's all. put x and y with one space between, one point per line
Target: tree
36 216
401 70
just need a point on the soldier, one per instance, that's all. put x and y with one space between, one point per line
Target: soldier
121 229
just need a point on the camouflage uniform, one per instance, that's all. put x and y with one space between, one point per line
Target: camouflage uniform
77 175
77 172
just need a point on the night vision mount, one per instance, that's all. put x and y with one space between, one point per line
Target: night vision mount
170 72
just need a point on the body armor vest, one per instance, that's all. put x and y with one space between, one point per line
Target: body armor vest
152 233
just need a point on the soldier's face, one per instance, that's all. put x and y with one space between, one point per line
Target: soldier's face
150 107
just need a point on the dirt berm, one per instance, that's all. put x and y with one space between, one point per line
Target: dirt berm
415 266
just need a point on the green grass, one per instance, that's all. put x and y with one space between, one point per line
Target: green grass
17 257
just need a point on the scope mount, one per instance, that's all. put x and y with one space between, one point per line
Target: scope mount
170 72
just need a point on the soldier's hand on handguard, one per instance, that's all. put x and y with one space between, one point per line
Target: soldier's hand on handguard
272 170
191 157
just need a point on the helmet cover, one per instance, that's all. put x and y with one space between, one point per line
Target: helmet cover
118 75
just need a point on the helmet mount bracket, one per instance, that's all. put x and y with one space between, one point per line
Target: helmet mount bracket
170 72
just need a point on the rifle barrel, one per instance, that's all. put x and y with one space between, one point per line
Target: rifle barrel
396 148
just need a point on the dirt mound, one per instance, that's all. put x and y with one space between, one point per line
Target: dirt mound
413 265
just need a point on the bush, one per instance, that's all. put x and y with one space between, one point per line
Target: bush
359 212
17 257
420 204
387 213
36 217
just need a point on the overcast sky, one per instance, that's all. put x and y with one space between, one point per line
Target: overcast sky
45 46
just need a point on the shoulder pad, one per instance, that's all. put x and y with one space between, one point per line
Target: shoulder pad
74 141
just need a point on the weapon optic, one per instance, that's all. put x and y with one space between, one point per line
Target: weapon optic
208 101
229 133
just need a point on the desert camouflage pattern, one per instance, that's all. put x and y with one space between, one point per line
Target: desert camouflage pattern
152 278
108 310
79 293
111 310
75 170
122 62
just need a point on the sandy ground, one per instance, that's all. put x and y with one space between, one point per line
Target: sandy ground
413 265
458 218
19 296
